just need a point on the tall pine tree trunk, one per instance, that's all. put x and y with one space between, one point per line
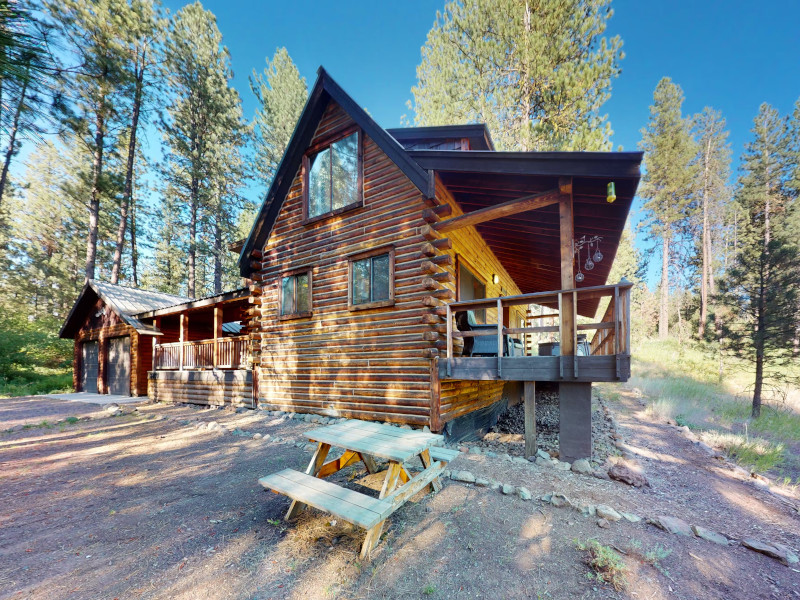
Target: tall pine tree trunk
759 347
193 202
126 197
134 247
12 136
217 256
663 316
706 250
94 202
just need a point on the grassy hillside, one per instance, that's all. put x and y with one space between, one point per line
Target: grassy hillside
33 360
689 385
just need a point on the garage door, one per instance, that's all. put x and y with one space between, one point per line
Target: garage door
89 367
119 366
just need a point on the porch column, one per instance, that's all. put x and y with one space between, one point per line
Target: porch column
217 332
574 399
184 326
154 342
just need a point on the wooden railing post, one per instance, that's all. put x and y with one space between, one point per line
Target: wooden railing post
449 315
499 337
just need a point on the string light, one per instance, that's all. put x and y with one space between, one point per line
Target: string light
591 259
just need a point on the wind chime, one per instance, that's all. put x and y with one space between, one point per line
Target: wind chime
592 258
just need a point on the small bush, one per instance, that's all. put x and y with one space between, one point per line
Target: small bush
606 564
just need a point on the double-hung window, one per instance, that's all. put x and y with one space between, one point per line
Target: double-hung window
333 177
296 295
371 279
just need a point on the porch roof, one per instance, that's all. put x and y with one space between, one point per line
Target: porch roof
528 243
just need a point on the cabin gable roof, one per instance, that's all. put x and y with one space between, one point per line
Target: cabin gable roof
124 301
325 89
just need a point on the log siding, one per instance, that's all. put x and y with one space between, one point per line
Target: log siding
369 363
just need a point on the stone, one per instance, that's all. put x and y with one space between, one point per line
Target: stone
474 450
524 493
630 517
627 475
464 476
776 551
542 454
463 449
494 485
520 460
257 436
266 437
505 456
490 454
508 489
588 510
606 512
709 536
562 466
560 501
112 408
603 523
481 482
546 498
212 425
673 525
601 474
542 462
582 466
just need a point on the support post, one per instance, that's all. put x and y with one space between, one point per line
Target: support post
183 331
574 399
575 415
530 418
217 333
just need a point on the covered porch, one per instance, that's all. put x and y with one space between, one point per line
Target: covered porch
203 355
554 223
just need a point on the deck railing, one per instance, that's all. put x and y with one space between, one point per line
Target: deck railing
611 337
232 353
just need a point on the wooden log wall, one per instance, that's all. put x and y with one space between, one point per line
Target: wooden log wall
202 387
462 397
369 364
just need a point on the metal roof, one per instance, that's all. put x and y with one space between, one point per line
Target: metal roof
125 301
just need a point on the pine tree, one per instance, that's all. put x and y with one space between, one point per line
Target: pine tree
713 171
91 30
204 112
535 73
27 71
667 182
762 288
281 95
142 29
45 271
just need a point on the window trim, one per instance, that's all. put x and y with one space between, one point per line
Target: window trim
327 142
390 250
308 270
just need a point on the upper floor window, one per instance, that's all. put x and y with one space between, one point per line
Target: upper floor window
372 279
333 177
296 294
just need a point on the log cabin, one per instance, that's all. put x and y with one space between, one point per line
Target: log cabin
414 275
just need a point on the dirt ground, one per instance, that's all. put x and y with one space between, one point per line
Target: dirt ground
149 505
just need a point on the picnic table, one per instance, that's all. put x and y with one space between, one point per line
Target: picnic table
363 441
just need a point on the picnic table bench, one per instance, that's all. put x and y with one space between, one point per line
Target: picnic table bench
362 441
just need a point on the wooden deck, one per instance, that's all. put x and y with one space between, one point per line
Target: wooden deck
539 368
606 356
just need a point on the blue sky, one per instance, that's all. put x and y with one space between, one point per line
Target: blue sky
732 55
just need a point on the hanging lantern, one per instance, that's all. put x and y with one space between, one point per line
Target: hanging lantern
598 256
579 277
611 192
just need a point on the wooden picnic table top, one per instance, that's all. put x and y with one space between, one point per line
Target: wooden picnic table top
384 441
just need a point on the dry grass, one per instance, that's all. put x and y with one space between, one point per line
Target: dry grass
689 385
